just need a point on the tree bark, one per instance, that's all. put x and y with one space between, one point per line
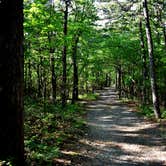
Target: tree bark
11 81
164 34
25 79
152 63
64 54
52 67
29 78
116 79
53 79
144 68
39 86
119 80
75 69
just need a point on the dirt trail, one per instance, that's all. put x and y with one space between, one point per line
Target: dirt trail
117 136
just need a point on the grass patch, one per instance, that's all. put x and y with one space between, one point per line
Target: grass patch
146 111
89 96
163 113
47 128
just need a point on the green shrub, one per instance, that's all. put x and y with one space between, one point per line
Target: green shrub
146 111
163 113
46 128
89 96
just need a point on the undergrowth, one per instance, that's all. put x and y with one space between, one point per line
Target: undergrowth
89 96
147 111
47 128
163 113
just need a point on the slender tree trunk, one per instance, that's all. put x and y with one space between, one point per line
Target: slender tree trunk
151 60
52 65
119 80
29 78
123 93
44 92
75 69
164 98
64 54
53 79
164 34
116 80
11 81
44 84
144 69
25 79
107 80
39 86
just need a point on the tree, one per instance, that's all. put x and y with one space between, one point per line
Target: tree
11 81
151 61
75 69
64 54
83 14
144 68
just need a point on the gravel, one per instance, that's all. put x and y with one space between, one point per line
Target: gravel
118 136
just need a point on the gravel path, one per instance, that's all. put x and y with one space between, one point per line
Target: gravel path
117 136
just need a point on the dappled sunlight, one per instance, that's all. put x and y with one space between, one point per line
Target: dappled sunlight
134 128
117 135
96 109
98 125
145 153
69 152
127 152
105 118
97 106
62 161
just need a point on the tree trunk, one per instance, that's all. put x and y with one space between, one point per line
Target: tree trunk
44 82
75 69
11 81
119 80
107 80
164 34
39 86
152 64
116 80
144 69
29 78
53 79
25 78
64 54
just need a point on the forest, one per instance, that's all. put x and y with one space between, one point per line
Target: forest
57 53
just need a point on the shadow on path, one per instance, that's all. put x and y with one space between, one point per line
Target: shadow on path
117 136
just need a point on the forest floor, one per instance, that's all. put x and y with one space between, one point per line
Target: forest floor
116 135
